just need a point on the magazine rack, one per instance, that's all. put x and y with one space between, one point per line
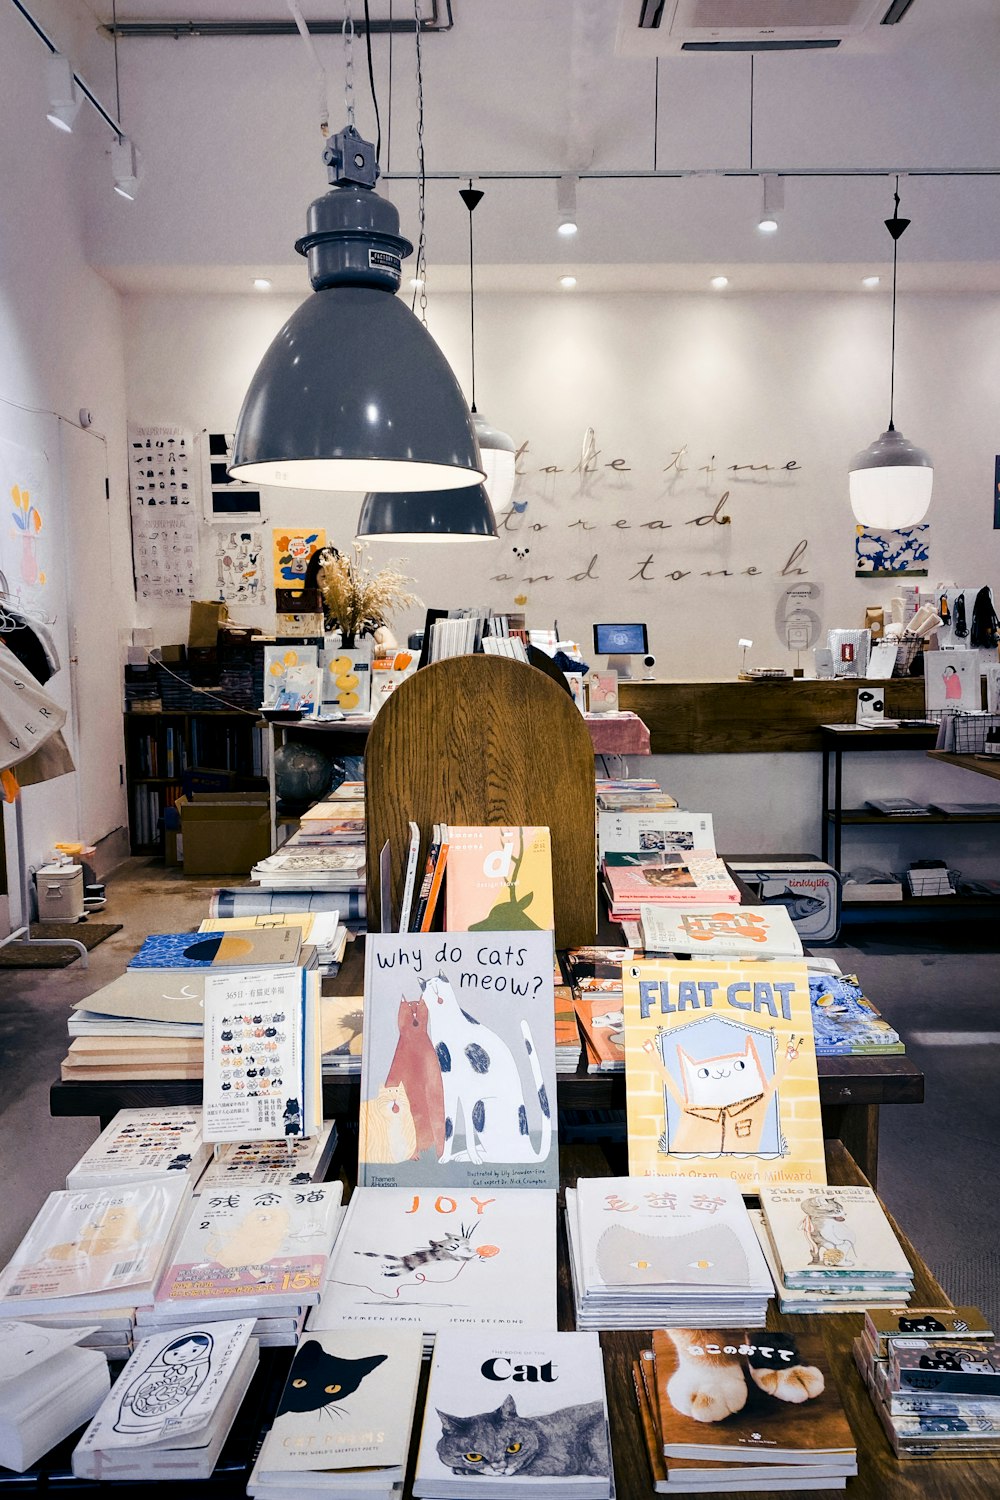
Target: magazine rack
483 740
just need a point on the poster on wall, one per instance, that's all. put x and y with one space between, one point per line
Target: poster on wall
951 680
27 534
224 496
238 564
293 547
892 554
164 512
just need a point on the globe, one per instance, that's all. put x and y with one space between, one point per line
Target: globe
302 774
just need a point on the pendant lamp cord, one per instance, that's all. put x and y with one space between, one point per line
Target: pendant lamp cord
371 83
420 290
892 360
118 87
472 307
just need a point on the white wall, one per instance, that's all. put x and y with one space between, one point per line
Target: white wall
60 350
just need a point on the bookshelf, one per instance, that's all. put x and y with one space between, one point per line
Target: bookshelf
168 752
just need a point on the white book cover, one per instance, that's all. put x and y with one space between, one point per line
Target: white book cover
436 1258
169 1392
744 931
252 1245
347 1403
526 1408
334 860
655 830
458 1077
262 1055
143 1143
290 1163
817 1231
688 1232
104 1244
23 1346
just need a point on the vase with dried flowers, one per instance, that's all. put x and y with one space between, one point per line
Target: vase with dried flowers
359 599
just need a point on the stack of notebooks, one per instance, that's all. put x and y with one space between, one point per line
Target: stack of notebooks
92 1258
343 1423
314 868
664 879
845 1022
142 1143
747 1410
48 1388
324 937
636 794
673 1251
732 932
933 1374
287 1163
429 1258
832 1249
515 1414
253 1251
595 975
170 1410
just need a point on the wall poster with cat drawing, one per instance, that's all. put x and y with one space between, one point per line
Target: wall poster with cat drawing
458 1065
720 1068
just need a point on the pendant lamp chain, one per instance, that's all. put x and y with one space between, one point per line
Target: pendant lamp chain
347 32
420 292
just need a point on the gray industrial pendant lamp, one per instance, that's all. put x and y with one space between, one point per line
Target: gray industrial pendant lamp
891 480
496 448
353 393
429 516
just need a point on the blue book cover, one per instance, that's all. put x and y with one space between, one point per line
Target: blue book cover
846 1022
254 948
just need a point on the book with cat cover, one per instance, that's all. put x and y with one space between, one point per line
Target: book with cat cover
48 1388
885 1327
345 1413
249 1245
720 1072
262 1051
632 881
499 880
761 931
512 1414
458 1068
290 1163
845 1022
950 1366
436 1257
655 831
821 1297
743 1395
602 1027
832 1234
171 1408
240 948
94 1248
143 1143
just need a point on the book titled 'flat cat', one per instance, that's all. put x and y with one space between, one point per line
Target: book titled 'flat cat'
720 1070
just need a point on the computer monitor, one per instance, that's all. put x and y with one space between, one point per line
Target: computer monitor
619 643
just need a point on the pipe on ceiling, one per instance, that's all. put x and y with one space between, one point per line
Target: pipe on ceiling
439 20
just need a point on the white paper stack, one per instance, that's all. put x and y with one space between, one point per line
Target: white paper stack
316 869
832 1249
668 1252
143 1143
48 1388
170 1410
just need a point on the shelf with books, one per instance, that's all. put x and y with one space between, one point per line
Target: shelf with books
163 749
863 815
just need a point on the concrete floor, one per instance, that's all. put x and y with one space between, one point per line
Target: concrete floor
938 986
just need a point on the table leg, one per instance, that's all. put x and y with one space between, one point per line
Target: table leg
856 1125
838 766
824 833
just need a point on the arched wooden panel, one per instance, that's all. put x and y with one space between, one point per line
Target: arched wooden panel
482 740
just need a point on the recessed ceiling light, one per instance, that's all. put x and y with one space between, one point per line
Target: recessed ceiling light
719 282
261 284
768 226
568 226
567 281
870 280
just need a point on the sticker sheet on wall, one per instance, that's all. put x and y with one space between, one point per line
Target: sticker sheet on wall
26 534
164 512
293 547
239 565
892 554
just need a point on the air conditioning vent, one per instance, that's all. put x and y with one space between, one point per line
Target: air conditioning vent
655 28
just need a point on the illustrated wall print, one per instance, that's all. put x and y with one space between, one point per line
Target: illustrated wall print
239 566
224 496
26 533
164 512
892 554
951 680
293 547
291 678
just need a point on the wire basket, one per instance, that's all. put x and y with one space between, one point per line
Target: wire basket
977 734
907 651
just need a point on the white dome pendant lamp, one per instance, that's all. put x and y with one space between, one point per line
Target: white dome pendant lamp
891 479
496 448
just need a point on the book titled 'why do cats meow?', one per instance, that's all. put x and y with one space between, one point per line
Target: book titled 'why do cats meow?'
720 1072
515 1416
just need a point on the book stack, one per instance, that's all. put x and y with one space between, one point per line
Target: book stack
741 932
91 1259
664 879
567 1033
515 1415
747 1410
899 807
252 901
251 1251
171 1408
633 795
343 1423
340 869
654 831
596 978
143 1143
845 1022
832 1249
48 1388
682 1251
929 879
289 1163
933 1374
323 936
429 1258
153 1004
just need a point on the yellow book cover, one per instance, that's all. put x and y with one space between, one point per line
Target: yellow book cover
301 919
499 880
720 1072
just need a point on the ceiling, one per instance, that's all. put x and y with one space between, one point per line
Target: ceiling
669 153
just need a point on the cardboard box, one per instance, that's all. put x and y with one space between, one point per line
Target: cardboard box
206 618
224 833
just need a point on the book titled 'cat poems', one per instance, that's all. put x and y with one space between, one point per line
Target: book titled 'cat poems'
458 1062
720 1070
499 880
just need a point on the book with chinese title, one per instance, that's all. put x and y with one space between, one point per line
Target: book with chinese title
499 879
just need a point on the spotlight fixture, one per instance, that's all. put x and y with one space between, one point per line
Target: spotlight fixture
719 282
64 96
891 479
772 202
567 282
496 448
261 284
566 205
870 281
353 393
125 167
429 516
